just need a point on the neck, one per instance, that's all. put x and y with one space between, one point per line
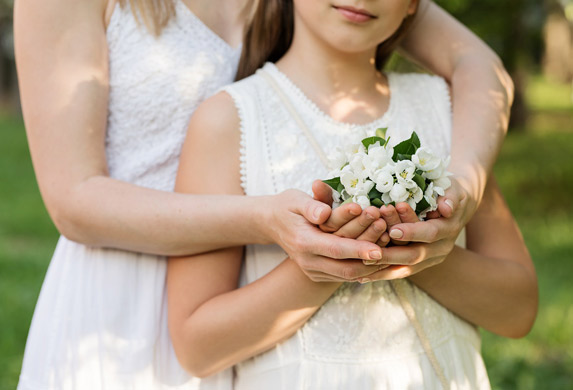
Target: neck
346 86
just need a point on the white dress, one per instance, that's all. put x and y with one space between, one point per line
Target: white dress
361 337
100 321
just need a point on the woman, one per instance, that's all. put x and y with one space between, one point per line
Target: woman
106 103
273 130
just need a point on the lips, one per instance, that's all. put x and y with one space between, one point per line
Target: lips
354 15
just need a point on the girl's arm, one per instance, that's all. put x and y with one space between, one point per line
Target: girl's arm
492 283
213 325
482 95
62 58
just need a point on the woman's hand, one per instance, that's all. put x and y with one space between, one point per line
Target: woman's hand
455 209
347 255
406 259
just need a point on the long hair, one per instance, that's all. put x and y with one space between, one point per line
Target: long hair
154 14
270 33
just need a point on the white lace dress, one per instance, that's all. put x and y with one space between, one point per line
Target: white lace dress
100 321
361 337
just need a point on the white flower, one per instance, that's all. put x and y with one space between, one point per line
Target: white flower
357 165
384 180
399 193
430 196
442 184
404 171
362 200
425 160
377 158
352 149
386 198
338 159
354 184
439 171
414 196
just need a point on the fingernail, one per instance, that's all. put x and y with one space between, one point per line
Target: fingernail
396 233
449 203
370 217
369 262
376 255
364 280
355 212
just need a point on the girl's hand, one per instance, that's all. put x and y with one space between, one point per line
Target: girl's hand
323 256
406 260
455 209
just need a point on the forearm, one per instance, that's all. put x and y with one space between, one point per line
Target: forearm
482 94
498 295
101 211
482 91
242 323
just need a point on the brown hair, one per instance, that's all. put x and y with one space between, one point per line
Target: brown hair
154 14
270 33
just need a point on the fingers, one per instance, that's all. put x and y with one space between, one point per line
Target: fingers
374 232
392 218
322 192
340 217
384 239
406 213
446 206
329 270
355 227
329 245
314 211
430 231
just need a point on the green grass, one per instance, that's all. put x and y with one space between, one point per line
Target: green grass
535 171
27 239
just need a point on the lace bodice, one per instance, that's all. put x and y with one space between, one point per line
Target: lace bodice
360 325
155 85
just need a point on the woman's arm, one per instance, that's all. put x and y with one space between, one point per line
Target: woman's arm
62 58
482 95
213 325
492 283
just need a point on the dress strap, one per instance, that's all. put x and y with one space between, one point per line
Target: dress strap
396 287
287 103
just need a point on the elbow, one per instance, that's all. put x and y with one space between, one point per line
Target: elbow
518 322
195 358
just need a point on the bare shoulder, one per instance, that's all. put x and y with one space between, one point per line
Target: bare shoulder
215 117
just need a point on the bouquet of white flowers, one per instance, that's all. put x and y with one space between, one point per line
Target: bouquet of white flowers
371 172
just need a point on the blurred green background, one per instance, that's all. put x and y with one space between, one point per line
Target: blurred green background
535 170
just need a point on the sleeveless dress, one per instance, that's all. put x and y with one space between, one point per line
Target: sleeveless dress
100 321
361 338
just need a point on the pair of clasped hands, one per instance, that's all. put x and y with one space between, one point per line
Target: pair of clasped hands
351 244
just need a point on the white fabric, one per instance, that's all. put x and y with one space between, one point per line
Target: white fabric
100 321
361 338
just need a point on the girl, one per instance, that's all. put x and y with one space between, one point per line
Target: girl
266 133
107 88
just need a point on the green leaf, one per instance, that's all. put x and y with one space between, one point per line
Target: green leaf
422 205
372 140
376 202
420 181
401 156
334 182
381 132
339 188
349 200
374 193
407 147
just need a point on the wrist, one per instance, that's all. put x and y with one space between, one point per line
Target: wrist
264 219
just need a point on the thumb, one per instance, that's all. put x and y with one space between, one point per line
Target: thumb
446 206
316 212
322 192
